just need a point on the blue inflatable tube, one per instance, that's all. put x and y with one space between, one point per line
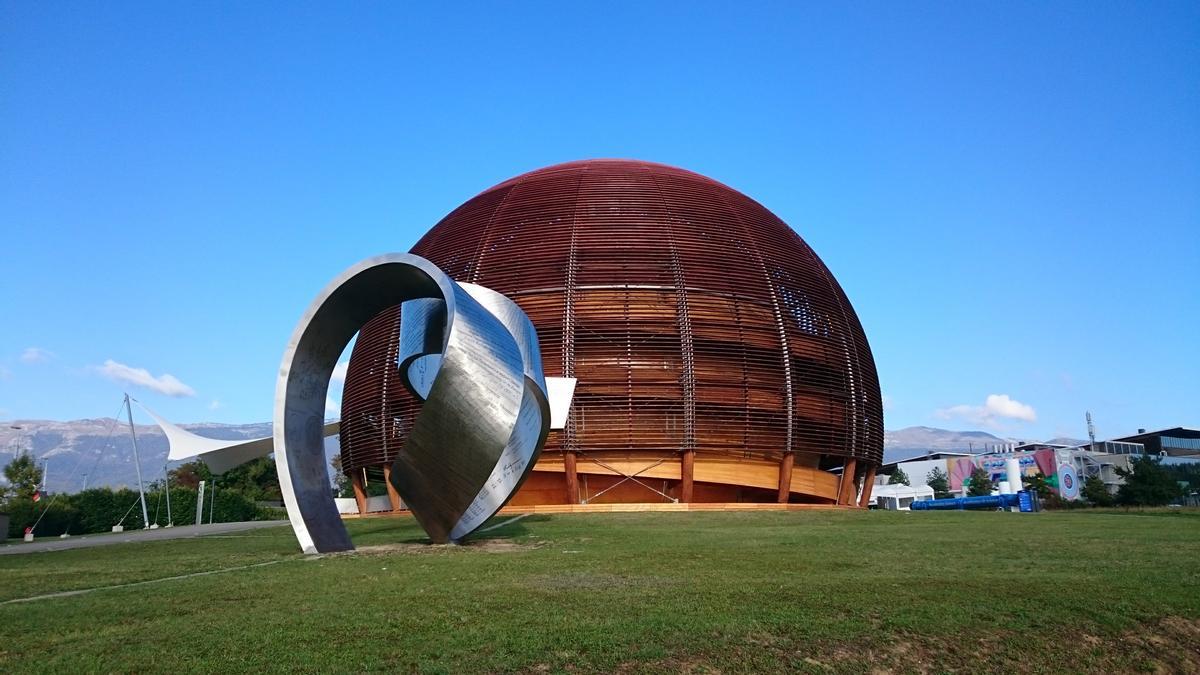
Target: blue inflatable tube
961 503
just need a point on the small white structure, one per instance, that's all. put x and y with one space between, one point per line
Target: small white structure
1012 471
349 505
900 497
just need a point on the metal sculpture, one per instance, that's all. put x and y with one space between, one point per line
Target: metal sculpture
470 353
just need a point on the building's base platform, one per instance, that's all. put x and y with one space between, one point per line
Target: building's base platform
633 508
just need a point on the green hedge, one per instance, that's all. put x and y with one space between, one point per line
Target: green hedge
98 509
22 513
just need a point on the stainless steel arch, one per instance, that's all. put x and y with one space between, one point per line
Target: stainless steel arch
484 420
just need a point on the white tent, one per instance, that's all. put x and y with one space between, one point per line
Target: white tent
220 455
900 497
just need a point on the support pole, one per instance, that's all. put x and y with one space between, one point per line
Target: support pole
200 503
868 484
360 492
686 470
167 487
137 464
846 489
785 477
393 496
572 477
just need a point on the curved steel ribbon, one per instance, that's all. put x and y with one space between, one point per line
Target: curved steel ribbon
470 352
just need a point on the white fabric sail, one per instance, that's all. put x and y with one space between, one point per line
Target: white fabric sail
220 455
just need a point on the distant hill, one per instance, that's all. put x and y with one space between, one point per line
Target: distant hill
911 441
99 452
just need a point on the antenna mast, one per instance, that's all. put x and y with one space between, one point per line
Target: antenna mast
137 463
1091 430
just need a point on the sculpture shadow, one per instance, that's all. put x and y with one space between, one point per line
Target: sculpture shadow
400 531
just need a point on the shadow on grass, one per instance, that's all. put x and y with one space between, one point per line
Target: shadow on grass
405 530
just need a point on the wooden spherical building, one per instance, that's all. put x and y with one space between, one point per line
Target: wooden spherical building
717 358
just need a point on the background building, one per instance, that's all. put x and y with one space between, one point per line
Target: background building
1064 466
1173 442
717 359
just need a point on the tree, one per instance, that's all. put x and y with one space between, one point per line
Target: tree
189 474
979 484
939 481
342 485
23 476
1037 483
898 477
1096 492
1146 484
256 480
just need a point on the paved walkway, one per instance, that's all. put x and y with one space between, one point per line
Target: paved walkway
133 536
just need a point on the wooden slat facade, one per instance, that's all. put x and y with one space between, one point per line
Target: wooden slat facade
704 332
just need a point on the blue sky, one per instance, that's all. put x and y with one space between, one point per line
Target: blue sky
1009 192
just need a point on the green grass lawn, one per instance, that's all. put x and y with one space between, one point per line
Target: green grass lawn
698 592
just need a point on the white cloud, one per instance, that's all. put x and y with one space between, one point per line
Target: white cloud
36 355
339 372
216 403
995 408
165 384
887 402
333 409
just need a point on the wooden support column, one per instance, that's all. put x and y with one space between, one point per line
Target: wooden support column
785 477
393 496
360 492
687 466
868 483
846 489
572 478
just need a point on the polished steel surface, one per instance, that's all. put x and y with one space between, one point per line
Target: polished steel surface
422 326
485 415
529 433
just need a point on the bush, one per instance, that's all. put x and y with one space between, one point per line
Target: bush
230 507
1096 492
101 508
98 509
59 517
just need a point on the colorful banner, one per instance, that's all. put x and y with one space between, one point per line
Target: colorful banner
1068 482
1032 463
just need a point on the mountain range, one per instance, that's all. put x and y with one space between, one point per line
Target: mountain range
95 452
912 441
99 452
